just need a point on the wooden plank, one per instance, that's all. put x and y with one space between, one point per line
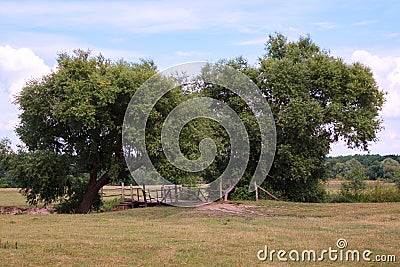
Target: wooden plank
115 195
269 194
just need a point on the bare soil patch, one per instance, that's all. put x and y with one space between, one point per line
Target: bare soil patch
232 208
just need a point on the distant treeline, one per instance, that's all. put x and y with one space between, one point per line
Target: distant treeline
376 166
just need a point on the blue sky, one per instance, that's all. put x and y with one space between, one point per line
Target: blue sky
172 32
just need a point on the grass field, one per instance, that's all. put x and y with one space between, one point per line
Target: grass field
228 234
333 186
12 197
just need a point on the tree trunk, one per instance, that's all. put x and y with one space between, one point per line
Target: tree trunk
93 188
95 185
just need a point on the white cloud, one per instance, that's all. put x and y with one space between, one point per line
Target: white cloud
386 72
8 126
252 42
17 66
389 138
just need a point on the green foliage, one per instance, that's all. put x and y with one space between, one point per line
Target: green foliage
377 166
1 172
354 180
43 175
109 205
354 188
391 170
189 138
316 99
375 194
242 193
71 123
380 193
6 181
73 118
76 193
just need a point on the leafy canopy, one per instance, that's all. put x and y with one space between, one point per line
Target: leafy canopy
71 123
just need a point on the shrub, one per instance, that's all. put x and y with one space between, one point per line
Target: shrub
377 193
242 193
380 193
109 205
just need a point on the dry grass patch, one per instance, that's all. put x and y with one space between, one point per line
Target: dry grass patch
220 234
228 234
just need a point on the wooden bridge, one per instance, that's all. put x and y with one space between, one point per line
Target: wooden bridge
151 195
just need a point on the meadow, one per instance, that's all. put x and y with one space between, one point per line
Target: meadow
220 234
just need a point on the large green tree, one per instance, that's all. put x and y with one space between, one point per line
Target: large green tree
71 125
316 99
73 118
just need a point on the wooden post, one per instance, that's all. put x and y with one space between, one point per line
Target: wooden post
157 195
176 193
131 188
220 189
144 195
137 193
256 187
122 191
230 188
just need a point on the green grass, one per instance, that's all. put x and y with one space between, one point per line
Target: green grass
170 236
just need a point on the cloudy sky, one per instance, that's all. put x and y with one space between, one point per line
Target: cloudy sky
172 32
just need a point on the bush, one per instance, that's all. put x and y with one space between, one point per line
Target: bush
109 205
6 182
242 193
380 193
345 197
375 194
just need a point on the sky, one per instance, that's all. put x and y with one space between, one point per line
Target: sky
33 33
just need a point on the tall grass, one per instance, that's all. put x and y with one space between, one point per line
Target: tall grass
371 194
